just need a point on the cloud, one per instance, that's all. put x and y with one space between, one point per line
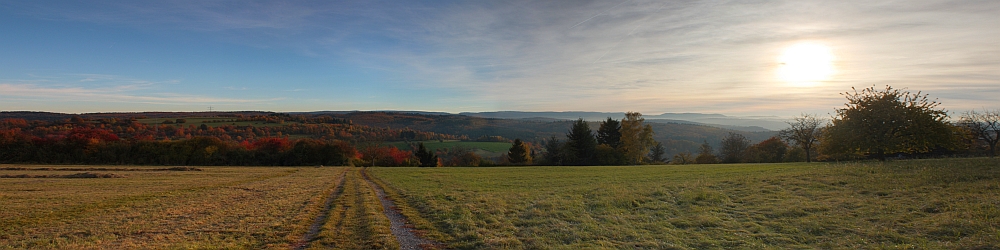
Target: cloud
99 88
651 56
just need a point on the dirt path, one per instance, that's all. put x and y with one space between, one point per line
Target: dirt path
406 238
323 216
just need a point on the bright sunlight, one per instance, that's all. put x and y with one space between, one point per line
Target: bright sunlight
806 64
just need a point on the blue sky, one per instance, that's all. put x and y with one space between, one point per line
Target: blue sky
455 56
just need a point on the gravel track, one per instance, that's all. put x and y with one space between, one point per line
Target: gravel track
406 238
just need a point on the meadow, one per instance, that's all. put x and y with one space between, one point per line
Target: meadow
218 207
918 204
914 204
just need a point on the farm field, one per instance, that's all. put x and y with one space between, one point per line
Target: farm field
919 204
218 207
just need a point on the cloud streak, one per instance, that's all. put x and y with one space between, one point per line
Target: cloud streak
643 55
102 88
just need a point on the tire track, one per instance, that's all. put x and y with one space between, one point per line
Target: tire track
324 215
406 238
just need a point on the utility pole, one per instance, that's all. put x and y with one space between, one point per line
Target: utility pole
209 108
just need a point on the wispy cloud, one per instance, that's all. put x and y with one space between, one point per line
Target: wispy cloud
102 88
78 94
644 55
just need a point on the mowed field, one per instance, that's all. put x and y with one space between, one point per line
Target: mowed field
218 207
919 204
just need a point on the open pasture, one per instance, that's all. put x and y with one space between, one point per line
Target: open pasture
218 207
919 204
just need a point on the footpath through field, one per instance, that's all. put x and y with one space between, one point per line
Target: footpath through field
362 217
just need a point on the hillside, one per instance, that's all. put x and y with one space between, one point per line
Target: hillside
751 124
676 137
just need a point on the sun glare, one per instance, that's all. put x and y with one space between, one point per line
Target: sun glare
806 64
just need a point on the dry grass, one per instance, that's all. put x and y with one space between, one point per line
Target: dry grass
357 220
238 207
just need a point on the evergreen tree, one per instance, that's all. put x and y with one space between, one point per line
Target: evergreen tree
656 154
610 133
553 151
580 144
427 158
519 153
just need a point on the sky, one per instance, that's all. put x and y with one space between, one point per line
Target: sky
653 57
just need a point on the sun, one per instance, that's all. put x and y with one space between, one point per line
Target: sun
806 64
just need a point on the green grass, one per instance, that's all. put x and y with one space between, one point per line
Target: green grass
936 204
920 204
493 147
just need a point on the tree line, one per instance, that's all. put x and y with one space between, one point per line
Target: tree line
874 124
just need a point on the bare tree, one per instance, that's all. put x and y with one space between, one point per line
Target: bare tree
984 126
804 132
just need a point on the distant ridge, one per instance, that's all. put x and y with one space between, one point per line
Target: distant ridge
751 124
50 116
716 120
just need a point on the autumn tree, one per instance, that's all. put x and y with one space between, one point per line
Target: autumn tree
733 148
580 145
882 122
706 155
519 153
460 156
683 158
983 126
804 132
635 138
770 150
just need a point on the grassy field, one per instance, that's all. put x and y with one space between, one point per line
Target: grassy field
921 204
219 207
